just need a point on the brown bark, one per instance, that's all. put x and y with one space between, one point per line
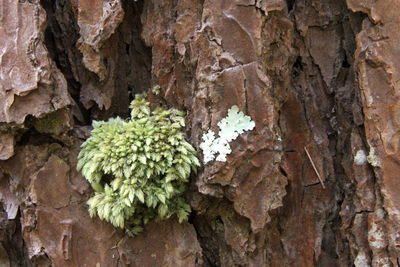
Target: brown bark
315 75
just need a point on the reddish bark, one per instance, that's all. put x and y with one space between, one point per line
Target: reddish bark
320 75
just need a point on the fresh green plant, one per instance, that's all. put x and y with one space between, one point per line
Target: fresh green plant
139 168
156 90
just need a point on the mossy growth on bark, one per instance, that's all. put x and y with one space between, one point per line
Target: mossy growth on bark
139 168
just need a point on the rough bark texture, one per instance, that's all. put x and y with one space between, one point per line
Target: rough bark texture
314 75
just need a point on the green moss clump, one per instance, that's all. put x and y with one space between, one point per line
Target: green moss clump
139 168
54 123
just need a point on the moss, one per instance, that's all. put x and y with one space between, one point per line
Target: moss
149 163
54 123
156 90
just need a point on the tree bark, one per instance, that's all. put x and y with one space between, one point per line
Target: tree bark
314 184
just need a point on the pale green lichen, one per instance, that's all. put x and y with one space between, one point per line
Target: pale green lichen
139 168
234 124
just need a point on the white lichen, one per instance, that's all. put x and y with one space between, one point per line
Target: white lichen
360 157
230 127
376 237
362 260
373 158
382 262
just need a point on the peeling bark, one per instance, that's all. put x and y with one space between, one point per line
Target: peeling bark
314 75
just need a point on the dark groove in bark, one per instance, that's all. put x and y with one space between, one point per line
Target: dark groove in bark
61 35
290 4
12 241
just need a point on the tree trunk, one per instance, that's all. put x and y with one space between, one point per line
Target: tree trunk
314 184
